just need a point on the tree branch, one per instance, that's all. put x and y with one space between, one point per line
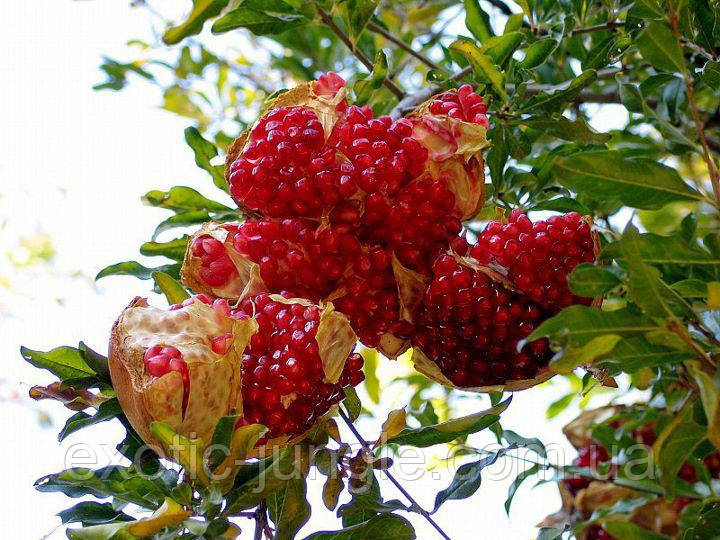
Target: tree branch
364 60
612 25
397 484
709 161
373 27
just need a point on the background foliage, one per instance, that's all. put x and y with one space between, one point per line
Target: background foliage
546 68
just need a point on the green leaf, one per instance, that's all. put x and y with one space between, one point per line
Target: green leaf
629 531
204 151
174 249
578 325
550 533
202 11
123 483
650 292
97 362
711 74
599 55
108 531
675 444
560 97
356 14
500 48
519 479
590 280
92 513
170 287
691 288
658 45
221 439
467 480
382 527
134 268
650 8
656 249
562 204
63 362
106 411
709 387
477 21
639 183
483 66
452 429
273 477
364 88
184 219
289 508
537 53
513 23
365 504
352 403
184 199
261 17
573 356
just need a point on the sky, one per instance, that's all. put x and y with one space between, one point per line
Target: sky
74 165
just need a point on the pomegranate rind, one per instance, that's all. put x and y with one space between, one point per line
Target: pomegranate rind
336 340
431 370
392 346
214 380
411 287
190 269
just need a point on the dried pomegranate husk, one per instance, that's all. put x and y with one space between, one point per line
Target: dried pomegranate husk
214 379
579 430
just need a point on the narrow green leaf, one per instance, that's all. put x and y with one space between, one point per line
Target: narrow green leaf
135 269
477 21
501 48
452 429
467 480
483 66
185 199
92 513
107 411
537 53
356 14
364 88
658 45
382 527
639 183
261 17
63 362
289 508
515 485
170 287
630 531
656 249
711 74
204 151
352 403
202 11
173 249
561 97
675 445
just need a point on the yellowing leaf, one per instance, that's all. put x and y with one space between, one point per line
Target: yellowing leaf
168 515
186 452
713 299
394 424
336 340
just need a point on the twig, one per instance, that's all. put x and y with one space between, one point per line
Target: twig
612 25
397 484
364 60
373 27
709 161
261 524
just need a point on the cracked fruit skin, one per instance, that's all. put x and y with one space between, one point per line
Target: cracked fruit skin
191 364
164 368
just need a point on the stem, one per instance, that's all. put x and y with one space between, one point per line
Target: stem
709 161
364 60
612 25
397 484
373 27
261 524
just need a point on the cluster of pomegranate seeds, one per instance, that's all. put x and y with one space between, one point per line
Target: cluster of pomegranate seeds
383 152
417 224
370 299
464 104
470 325
590 456
216 269
161 360
283 385
538 256
297 255
288 170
